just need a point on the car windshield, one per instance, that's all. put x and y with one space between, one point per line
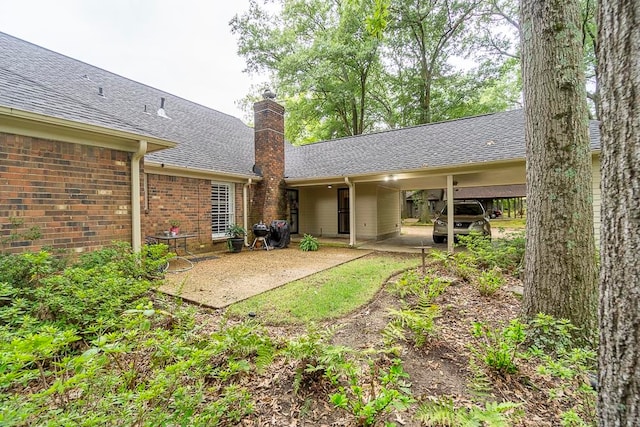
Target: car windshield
465 209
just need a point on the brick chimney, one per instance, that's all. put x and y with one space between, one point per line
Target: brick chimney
268 201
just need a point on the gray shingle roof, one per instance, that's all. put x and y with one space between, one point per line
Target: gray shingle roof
479 139
38 80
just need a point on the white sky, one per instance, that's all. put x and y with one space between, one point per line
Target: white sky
184 47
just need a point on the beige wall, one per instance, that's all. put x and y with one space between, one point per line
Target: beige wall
318 211
366 226
388 212
377 211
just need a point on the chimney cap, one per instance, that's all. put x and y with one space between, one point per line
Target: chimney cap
268 94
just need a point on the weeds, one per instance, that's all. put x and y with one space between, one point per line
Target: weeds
498 349
385 390
490 281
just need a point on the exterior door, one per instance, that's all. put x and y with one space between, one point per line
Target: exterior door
292 210
343 211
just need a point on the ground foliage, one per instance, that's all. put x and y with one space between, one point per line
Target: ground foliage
90 343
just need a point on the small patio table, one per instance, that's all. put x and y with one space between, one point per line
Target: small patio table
172 241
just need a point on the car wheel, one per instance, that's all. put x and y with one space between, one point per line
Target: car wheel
438 239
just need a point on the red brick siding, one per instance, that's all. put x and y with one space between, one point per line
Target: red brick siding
79 196
189 201
268 199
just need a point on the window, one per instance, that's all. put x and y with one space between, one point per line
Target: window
222 209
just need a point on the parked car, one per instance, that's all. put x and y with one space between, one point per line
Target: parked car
468 217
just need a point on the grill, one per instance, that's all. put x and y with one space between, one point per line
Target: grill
260 231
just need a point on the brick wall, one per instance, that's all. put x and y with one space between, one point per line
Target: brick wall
268 198
189 201
79 196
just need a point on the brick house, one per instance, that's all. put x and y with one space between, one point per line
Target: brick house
90 157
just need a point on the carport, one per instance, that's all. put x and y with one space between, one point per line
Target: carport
371 171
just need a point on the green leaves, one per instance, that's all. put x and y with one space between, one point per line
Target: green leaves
309 243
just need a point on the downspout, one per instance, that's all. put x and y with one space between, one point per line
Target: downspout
136 229
245 208
352 212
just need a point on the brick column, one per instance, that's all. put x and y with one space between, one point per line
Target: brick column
268 201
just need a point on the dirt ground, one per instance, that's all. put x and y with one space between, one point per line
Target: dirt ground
232 277
439 369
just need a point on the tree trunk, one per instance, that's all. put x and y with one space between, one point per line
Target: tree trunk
619 78
560 268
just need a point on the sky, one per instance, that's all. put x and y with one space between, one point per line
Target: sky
184 47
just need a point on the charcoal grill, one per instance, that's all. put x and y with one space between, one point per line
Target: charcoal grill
261 233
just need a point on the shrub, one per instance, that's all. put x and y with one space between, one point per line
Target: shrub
489 281
309 243
498 349
506 253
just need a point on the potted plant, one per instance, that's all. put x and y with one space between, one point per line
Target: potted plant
175 227
236 234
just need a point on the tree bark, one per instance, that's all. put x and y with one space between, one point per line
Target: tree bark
619 78
560 269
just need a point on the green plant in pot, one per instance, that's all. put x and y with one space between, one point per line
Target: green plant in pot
236 234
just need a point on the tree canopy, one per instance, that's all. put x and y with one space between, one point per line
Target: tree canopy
347 67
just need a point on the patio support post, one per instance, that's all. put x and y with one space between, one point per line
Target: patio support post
450 239
245 208
352 212
136 229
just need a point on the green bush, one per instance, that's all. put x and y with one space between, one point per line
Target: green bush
506 254
309 243
498 349
489 281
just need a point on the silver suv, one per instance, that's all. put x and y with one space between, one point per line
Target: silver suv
468 217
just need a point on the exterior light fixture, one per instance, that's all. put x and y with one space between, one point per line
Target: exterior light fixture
329 186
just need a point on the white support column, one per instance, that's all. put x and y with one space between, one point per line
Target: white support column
450 238
352 212
136 228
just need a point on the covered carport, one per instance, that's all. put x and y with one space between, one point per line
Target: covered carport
371 171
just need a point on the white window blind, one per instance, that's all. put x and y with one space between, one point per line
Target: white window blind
222 209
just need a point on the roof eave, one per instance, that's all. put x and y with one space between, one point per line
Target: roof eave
49 122
173 170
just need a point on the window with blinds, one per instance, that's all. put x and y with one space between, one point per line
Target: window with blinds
222 209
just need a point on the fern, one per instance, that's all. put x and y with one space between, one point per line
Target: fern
419 321
443 412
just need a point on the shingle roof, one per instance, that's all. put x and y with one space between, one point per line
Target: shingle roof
38 80
479 139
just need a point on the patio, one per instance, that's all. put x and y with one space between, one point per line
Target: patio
232 277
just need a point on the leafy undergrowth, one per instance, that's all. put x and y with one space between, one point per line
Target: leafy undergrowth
93 345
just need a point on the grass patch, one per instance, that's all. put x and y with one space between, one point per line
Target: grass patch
508 223
329 294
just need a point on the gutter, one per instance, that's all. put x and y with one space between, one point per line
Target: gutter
136 229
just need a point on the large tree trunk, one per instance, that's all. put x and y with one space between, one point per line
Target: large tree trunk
560 271
619 77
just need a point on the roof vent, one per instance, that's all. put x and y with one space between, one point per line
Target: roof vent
100 92
161 111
